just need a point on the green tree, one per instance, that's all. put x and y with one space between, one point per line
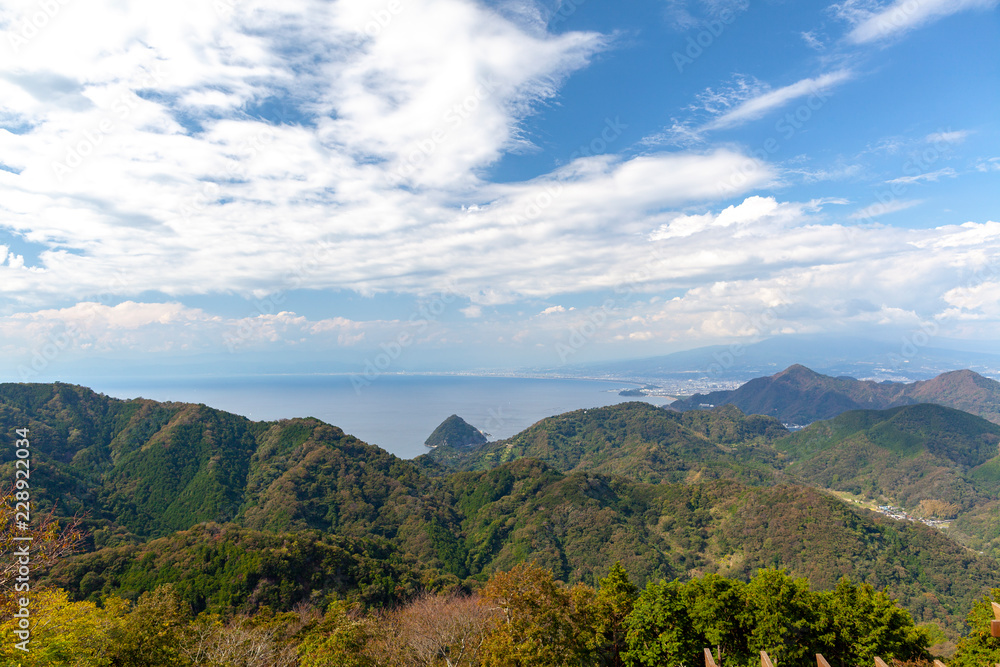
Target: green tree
862 623
659 630
978 648
613 603
339 640
152 634
782 617
715 606
63 633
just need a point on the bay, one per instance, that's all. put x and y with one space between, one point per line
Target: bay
395 412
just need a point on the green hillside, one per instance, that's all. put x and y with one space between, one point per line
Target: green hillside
927 458
636 440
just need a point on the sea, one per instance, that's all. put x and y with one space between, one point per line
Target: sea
395 412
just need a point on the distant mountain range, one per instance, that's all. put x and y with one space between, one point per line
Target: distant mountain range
902 360
799 395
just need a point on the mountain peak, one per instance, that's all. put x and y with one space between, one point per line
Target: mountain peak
798 370
455 432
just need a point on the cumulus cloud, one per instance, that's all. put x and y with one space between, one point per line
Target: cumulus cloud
247 148
307 147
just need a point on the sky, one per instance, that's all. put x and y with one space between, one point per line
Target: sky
393 185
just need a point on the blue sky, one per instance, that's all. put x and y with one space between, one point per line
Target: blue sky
425 184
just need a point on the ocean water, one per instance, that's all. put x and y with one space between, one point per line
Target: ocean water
395 412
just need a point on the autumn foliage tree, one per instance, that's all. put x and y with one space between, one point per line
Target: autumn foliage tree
541 623
48 540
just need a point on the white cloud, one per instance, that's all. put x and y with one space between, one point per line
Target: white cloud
812 41
951 137
472 311
755 216
302 146
874 22
741 100
992 164
930 177
759 105
299 151
879 209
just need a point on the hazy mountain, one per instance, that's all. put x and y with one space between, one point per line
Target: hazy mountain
800 395
832 355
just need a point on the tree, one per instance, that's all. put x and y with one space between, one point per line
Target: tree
444 630
540 624
979 647
152 634
612 605
781 617
64 633
716 606
339 640
659 629
47 542
865 623
242 642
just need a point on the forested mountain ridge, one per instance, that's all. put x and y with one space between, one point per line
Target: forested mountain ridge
636 440
908 454
144 470
140 469
799 395
933 461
